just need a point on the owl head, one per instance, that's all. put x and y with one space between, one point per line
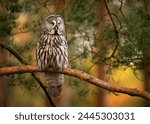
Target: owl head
53 25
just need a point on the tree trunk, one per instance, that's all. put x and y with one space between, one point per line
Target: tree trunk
101 8
146 4
3 59
147 85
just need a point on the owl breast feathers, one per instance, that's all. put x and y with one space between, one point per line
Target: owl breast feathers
52 52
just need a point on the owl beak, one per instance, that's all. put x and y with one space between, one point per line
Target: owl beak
56 29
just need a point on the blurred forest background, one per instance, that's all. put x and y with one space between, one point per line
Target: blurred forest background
109 39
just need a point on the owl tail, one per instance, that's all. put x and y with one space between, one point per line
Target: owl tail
54 83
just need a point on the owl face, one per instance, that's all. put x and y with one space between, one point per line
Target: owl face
54 25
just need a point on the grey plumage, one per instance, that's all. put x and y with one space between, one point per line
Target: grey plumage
52 52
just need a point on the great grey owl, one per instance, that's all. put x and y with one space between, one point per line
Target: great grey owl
52 52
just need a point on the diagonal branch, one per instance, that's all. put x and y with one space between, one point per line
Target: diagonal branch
78 74
23 61
115 29
15 53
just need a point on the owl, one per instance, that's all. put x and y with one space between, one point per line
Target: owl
51 52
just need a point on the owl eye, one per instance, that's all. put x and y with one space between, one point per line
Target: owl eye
52 23
58 22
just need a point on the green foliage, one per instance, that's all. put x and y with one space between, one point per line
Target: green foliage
22 79
127 44
8 17
136 44
81 11
132 42
81 88
81 19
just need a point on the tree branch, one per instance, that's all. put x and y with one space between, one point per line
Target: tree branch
78 74
115 29
23 61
